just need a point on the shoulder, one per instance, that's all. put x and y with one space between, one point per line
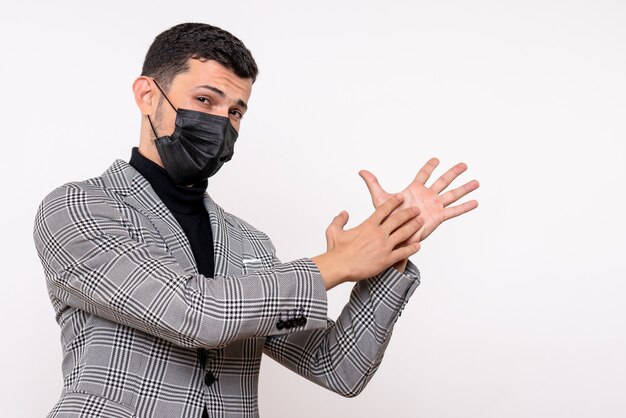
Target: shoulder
76 194
111 185
92 198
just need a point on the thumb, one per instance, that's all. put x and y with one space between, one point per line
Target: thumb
374 187
336 225
340 220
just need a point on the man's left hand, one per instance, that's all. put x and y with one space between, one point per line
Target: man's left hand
435 205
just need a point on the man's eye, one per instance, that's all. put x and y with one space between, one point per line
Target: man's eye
204 100
237 114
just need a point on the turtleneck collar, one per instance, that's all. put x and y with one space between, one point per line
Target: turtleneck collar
181 199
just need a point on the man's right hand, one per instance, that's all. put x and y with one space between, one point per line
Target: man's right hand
369 248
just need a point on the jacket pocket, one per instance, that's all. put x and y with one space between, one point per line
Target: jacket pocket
251 264
87 405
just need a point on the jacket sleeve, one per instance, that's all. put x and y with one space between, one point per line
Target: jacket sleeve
344 356
94 262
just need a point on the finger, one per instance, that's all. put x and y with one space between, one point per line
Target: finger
340 220
455 194
377 193
396 220
448 177
416 237
385 209
406 231
404 252
335 226
424 174
454 211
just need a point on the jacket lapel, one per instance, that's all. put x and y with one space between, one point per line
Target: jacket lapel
137 192
227 248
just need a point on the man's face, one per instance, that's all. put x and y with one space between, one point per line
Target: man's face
207 87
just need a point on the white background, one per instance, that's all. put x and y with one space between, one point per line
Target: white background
521 308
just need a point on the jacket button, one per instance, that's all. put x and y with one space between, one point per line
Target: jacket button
301 321
280 325
209 379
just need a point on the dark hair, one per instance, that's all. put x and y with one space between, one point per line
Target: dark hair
170 51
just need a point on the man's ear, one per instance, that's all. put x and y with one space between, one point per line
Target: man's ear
144 95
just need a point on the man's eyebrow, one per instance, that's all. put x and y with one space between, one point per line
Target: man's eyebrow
215 89
242 104
222 94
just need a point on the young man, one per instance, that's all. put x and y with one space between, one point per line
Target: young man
166 302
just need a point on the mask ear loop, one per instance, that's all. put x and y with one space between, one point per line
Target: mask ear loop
156 136
164 95
152 126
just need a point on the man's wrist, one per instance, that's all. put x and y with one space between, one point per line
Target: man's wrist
332 270
401 265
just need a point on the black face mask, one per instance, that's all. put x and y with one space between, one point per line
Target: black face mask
198 147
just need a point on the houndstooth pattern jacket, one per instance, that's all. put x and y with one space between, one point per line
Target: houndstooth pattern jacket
145 335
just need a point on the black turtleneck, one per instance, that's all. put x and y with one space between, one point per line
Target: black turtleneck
187 206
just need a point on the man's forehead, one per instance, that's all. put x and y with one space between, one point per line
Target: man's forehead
212 75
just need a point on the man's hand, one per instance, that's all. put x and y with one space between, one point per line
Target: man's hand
372 246
434 205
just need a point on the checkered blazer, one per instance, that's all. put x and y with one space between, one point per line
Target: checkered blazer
145 335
